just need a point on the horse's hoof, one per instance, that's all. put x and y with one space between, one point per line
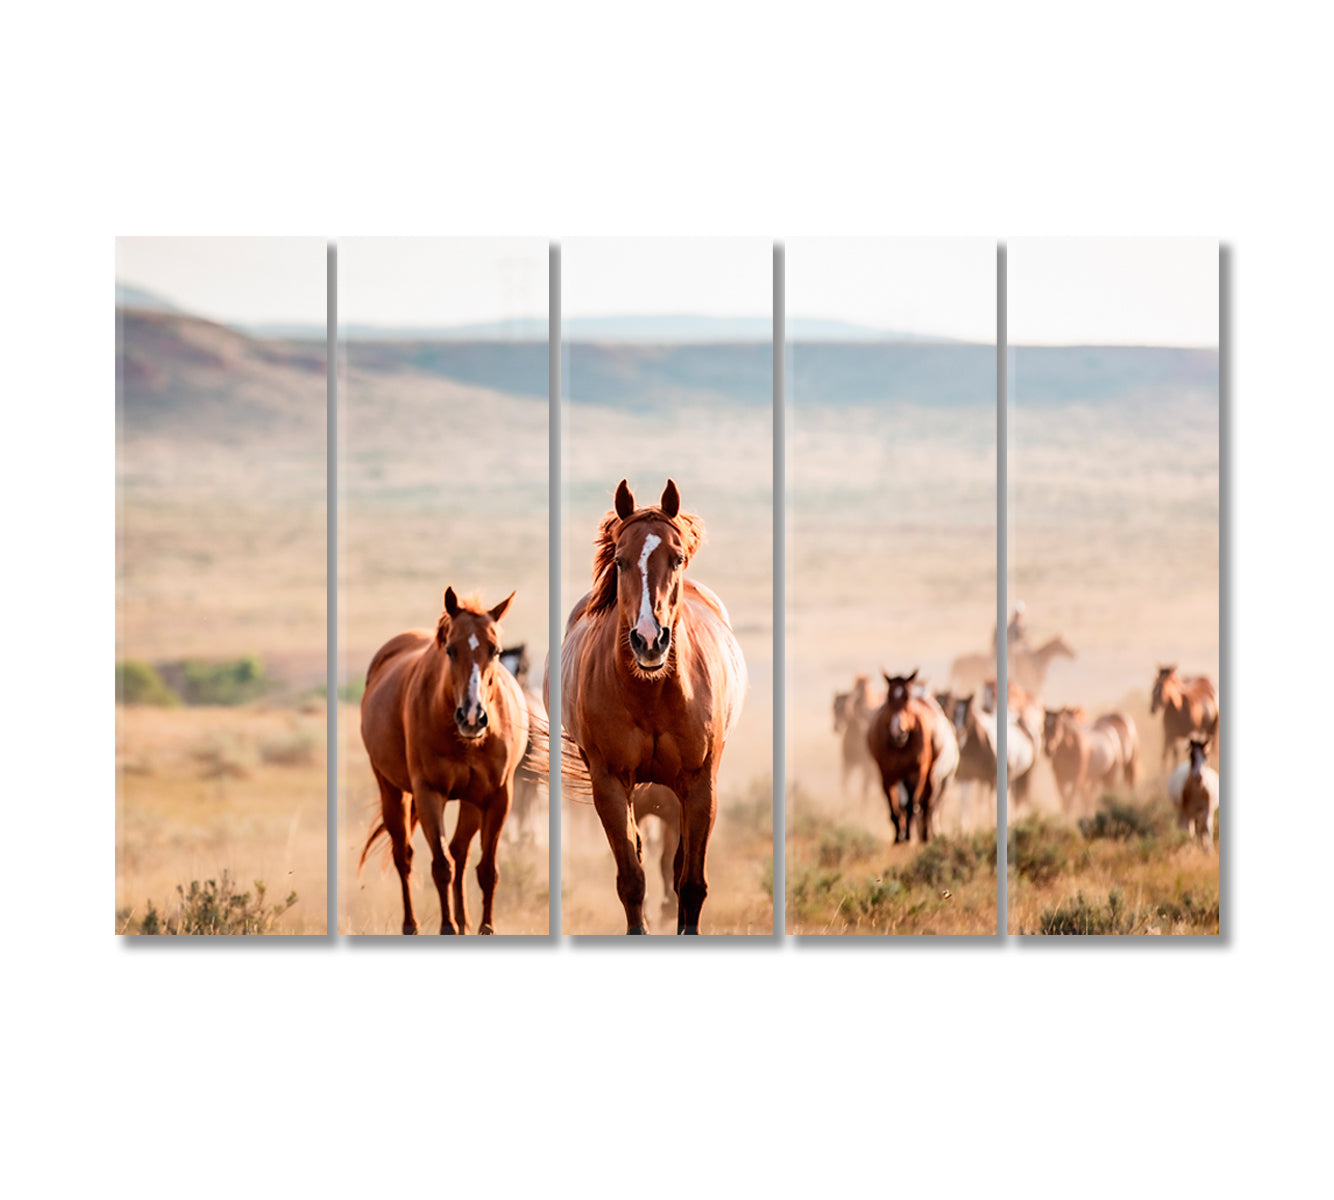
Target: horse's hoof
486 929
691 929
636 929
447 929
409 928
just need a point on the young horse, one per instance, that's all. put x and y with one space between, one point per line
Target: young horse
442 720
652 681
1189 705
852 718
1193 790
1029 666
913 744
1085 757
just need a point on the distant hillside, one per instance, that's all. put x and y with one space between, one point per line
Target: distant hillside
941 376
185 378
128 295
1044 375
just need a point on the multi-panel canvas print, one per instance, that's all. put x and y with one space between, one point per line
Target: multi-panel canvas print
443 519
666 662
891 586
220 586
1113 602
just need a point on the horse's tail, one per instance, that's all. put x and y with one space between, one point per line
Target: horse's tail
378 830
575 781
535 765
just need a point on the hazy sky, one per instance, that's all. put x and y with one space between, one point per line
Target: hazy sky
441 281
715 277
945 287
1117 291
231 279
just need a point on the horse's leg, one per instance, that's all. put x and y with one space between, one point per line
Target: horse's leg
611 799
470 821
699 808
891 784
669 864
922 796
493 821
394 813
431 813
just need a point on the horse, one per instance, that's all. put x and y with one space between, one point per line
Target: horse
1193 790
913 744
1084 756
652 682
442 720
515 660
976 730
852 717
1189 706
529 779
1029 666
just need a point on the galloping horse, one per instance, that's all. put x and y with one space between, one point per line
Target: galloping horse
976 730
1193 790
1085 757
913 744
1028 667
442 720
852 718
652 681
1189 706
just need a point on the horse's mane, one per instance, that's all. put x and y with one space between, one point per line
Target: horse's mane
603 596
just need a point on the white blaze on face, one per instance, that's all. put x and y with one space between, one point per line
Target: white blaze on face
647 627
472 641
475 694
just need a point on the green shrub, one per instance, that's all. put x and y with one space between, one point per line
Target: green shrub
840 842
1039 851
1082 916
139 683
236 681
1120 821
946 860
212 908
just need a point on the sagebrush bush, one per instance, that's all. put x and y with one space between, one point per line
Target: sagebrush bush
1038 850
1121 821
840 842
213 907
139 683
235 681
1083 916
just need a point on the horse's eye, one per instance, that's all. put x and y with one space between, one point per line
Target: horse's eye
453 654
621 564
495 651
677 563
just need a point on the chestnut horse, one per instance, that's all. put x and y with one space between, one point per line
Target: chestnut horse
913 744
1085 757
852 718
652 681
1189 706
443 720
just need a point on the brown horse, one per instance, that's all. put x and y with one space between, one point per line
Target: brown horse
1189 706
1029 666
652 681
914 746
442 720
1086 757
852 718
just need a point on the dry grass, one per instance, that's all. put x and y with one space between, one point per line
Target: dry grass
196 797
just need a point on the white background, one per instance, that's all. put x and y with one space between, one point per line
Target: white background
1070 1069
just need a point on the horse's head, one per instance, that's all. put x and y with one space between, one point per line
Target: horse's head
841 702
1053 722
515 660
639 569
1199 754
962 715
470 637
1165 675
902 719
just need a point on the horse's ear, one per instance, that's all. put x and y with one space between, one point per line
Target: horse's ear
451 602
625 503
671 499
912 676
889 679
501 609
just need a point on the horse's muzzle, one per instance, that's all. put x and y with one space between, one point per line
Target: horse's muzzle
651 656
470 729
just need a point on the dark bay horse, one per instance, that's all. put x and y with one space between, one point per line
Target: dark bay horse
443 720
652 681
913 745
1189 707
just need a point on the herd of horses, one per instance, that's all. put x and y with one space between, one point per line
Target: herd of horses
651 686
918 743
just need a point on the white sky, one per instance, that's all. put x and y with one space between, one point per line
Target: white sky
441 281
1112 291
944 287
231 278
715 277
